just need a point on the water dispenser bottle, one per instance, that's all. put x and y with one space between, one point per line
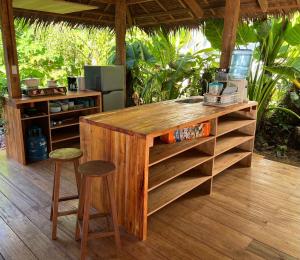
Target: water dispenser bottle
240 64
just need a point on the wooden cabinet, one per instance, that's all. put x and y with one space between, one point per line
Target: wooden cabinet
152 174
63 134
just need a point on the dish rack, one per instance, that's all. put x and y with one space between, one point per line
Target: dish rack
221 100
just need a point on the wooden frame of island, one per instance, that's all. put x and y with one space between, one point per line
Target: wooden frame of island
151 174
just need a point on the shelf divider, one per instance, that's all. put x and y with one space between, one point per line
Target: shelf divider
229 141
174 189
227 125
175 166
160 152
225 160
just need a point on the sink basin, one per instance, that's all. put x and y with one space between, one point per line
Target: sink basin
190 100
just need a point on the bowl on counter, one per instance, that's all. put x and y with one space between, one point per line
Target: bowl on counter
55 107
52 83
31 82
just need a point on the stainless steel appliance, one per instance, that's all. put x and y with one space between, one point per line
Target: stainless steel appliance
110 80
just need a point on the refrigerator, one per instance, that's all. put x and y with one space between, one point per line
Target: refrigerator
110 80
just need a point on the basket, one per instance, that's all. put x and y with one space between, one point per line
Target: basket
221 100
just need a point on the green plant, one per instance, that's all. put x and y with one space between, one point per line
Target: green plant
276 46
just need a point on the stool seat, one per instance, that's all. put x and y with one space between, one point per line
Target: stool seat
96 168
65 154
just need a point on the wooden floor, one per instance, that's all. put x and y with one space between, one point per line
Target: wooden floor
252 214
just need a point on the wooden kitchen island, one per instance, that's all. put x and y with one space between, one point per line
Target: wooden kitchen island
151 174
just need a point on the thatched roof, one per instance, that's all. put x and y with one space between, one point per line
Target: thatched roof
149 14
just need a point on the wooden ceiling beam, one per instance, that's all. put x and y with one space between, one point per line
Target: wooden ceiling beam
263 4
130 20
195 8
173 12
133 2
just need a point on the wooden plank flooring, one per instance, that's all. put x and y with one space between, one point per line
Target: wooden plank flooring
251 214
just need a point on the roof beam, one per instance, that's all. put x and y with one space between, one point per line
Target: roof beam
173 12
264 5
133 2
195 8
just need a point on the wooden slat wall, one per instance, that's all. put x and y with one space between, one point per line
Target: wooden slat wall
14 136
129 154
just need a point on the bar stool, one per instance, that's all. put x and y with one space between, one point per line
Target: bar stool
60 156
90 171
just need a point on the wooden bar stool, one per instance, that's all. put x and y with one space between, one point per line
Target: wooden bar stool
90 171
60 156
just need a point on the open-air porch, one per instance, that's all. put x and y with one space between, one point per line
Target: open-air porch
179 178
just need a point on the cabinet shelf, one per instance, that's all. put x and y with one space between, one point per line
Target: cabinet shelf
73 111
224 161
229 124
64 137
174 189
34 117
161 151
175 166
231 140
73 123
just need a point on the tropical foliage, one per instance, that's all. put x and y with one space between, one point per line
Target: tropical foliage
161 68
276 45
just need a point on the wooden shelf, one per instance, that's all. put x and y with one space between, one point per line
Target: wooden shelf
172 190
175 166
224 161
160 152
73 110
231 140
34 117
64 137
229 124
65 125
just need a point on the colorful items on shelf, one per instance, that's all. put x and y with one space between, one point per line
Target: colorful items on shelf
187 133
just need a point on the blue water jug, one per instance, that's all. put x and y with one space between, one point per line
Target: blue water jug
240 64
36 144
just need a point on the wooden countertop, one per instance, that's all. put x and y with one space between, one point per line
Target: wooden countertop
70 94
155 119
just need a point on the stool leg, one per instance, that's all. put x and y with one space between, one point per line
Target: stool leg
110 186
77 175
82 194
51 213
55 199
85 220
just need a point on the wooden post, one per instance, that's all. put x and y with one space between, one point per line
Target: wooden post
120 26
10 49
231 19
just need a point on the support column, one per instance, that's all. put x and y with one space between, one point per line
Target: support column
10 49
231 19
120 26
